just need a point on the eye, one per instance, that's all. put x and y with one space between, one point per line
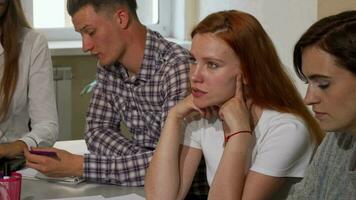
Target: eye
212 65
91 33
193 61
323 86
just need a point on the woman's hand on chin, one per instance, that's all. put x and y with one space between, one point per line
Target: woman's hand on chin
235 112
186 109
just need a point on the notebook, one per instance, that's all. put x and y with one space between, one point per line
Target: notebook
65 180
33 174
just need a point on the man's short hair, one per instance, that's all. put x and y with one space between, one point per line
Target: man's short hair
74 5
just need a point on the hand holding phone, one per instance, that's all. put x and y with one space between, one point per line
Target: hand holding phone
44 153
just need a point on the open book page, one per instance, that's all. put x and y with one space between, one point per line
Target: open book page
123 197
127 197
65 180
99 197
28 173
33 174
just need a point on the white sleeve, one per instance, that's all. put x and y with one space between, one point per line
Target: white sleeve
285 149
192 135
41 98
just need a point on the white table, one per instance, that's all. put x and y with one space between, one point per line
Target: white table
43 189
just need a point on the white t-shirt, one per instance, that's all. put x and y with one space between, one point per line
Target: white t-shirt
283 147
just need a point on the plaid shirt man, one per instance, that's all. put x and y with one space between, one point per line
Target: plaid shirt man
142 103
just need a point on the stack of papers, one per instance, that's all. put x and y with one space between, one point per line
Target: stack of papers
124 197
33 174
66 180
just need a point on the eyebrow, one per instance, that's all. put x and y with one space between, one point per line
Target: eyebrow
81 29
213 59
209 58
317 76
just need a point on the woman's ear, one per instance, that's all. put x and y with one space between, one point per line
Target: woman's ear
243 77
244 80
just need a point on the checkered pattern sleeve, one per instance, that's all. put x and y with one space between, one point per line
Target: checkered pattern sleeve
115 159
126 170
176 87
103 134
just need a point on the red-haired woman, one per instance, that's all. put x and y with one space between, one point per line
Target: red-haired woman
256 135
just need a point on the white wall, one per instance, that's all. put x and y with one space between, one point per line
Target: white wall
184 17
284 21
331 7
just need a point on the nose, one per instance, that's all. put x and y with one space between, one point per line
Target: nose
196 73
87 44
311 96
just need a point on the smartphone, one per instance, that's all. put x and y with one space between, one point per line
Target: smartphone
44 153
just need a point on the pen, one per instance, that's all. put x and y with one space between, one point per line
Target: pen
6 173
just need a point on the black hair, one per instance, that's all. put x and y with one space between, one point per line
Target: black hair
74 5
335 35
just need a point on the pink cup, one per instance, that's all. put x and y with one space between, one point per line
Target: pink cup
10 188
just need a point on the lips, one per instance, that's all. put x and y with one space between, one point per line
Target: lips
318 114
198 93
96 54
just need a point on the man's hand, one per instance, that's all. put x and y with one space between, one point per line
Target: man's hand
64 164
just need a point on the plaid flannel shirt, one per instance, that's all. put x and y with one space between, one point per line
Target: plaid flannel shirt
142 103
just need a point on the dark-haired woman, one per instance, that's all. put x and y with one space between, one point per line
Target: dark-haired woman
325 58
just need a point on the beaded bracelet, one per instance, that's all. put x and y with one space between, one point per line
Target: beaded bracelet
226 138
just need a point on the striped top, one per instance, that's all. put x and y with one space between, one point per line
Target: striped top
332 173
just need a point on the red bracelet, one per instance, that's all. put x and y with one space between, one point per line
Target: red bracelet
226 138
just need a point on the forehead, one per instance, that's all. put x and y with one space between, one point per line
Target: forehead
208 44
319 63
85 16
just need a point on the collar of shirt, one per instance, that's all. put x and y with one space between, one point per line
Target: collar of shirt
148 64
1 49
2 60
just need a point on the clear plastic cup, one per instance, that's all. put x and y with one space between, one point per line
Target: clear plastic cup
10 188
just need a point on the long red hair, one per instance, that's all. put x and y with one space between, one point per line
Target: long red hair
269 85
